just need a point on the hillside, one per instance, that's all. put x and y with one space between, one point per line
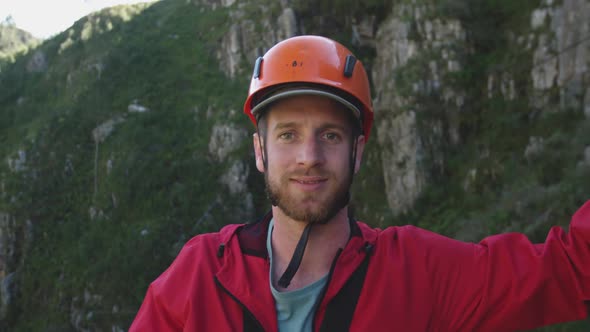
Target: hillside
12 41
123 136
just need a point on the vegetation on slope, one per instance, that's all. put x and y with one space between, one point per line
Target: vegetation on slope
108 212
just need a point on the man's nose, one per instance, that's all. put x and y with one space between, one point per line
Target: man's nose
310 153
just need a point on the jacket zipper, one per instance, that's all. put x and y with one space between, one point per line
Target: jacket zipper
241 304
325 290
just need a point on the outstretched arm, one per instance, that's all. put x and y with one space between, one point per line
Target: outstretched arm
506 283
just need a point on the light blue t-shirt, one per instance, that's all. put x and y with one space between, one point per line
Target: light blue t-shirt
295 309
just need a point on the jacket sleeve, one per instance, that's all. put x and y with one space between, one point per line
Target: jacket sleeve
154 315
164 307
506 283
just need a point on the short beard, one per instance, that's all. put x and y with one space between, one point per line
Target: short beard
321 216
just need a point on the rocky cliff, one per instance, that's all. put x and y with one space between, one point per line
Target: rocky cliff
123 136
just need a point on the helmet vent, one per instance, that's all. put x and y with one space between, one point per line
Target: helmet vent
257 67
349 65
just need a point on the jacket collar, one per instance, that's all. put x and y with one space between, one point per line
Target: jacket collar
252 237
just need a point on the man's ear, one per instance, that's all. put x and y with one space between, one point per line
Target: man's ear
360 148
258 152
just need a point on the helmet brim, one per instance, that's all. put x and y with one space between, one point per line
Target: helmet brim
299 91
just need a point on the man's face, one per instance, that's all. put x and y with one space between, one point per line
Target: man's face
308 149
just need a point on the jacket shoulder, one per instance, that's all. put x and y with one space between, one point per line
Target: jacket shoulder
393 232
198 254
211 240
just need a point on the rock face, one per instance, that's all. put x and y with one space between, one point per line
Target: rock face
414 57
363 31
417 58
18 162
250 36
15 240
8 262
587 156
82 311
235 179
37 63
534 148
224 140
417 52
561 54
104 130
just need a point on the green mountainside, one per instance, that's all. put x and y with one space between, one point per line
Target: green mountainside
107 229
121 138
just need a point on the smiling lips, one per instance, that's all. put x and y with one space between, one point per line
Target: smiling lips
309 182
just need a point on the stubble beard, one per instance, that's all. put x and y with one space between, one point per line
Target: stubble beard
279 196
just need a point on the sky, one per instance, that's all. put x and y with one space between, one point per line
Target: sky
45 18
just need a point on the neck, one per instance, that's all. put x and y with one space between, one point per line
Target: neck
322 246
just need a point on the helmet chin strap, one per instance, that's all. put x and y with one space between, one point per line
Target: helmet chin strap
293 266
285 279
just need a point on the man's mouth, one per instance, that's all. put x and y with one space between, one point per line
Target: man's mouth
309 181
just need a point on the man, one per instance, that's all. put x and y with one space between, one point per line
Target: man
308 266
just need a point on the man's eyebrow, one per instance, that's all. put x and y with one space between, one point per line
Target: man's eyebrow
283 125
324 126
334 126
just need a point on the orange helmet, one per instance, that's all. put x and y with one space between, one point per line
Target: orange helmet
311 65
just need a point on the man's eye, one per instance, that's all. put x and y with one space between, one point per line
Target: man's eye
331 136
286 136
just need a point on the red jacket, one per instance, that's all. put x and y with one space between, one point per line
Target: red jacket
415 281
